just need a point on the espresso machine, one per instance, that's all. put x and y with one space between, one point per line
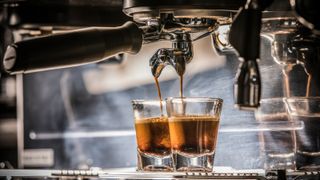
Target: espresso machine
178 22
272 49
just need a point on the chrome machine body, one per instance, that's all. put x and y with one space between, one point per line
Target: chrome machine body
276 41
174 21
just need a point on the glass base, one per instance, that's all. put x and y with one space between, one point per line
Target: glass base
148 162
191 162
279 161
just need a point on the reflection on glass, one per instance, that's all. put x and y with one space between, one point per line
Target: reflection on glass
306 110
277 146
152 133
193 125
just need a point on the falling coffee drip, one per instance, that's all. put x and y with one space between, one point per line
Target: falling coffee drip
308 85
159 94
159 91
181 86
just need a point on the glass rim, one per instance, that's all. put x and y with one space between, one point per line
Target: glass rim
290 99
294 109
195 99
301 99
266 100
147 101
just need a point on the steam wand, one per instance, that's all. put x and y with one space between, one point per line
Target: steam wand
245 38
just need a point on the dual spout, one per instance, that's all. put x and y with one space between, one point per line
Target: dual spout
178 56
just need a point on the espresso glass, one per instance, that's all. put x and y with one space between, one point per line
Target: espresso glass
152 135
276 145
193 125
307 141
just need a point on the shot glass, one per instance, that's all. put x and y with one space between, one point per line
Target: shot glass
193 125
152 135
307 142
277 144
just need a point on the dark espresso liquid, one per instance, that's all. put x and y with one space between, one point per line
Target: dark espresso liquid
159 94
193 134
153 136
181 86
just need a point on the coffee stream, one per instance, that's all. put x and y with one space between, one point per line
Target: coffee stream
159 94
159 91
308 85
181 86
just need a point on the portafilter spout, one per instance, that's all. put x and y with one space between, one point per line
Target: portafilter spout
178 56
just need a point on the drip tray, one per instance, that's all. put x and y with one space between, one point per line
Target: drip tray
130 173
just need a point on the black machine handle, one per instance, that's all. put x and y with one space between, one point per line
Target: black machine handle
72 48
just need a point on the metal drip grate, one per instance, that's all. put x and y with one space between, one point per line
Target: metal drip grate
256 174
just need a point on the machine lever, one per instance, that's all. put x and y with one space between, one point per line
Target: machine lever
72 48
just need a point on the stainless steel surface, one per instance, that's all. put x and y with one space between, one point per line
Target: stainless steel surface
142 11
306 12
245 31
8 133
37 173
178 56
160 19
220 173
247 88
220 40
20 120
130 173
8 90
